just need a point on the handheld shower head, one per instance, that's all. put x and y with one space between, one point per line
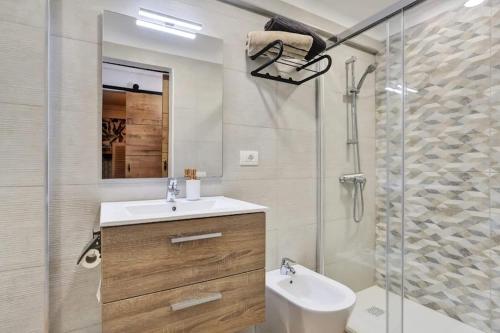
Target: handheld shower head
370 69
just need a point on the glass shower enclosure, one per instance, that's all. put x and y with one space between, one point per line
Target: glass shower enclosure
425 255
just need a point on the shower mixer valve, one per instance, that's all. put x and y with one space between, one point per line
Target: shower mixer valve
357 178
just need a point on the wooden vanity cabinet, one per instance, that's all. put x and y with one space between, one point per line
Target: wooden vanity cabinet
201 275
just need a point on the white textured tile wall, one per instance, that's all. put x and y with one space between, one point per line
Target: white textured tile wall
22 300
23 271
23 64
276 119
23 161
73 297
27 12
22 240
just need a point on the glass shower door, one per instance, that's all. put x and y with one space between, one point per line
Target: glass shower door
451 141
389 251
425 256
365 254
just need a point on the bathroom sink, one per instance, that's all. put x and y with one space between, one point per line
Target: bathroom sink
169 207
150 209
135 212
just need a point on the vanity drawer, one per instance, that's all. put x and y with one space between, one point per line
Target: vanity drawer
224 305
146 258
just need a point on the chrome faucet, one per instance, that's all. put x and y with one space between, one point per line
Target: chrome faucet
172 190
287 267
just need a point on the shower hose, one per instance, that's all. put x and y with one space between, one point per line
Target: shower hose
358 208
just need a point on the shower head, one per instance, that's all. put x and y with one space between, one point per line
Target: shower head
369 69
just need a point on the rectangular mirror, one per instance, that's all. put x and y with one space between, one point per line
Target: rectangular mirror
161 101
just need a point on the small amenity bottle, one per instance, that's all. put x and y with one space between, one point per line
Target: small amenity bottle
193 185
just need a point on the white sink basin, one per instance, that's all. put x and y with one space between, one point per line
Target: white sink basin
149 209
135 212
169 207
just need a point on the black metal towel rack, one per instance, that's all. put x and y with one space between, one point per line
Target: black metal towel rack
299 66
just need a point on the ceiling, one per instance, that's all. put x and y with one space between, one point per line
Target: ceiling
350 12
344 12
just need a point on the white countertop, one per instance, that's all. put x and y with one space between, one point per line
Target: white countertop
147 211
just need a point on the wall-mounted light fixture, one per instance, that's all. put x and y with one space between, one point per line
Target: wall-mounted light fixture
164 28
171 20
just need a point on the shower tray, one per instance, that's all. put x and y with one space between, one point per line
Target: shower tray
369 316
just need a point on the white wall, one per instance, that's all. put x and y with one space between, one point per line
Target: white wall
276 119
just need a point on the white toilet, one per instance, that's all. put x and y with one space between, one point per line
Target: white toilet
306 302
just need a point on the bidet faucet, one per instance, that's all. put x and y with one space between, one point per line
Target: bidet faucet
287 267
172 190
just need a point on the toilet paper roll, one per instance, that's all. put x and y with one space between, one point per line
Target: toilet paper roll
91 259
98 294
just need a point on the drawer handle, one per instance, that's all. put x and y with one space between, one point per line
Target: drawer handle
195 237
196 301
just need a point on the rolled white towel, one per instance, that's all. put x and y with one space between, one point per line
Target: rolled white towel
295 45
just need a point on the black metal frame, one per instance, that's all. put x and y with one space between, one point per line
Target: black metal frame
279 45
151 92
136 67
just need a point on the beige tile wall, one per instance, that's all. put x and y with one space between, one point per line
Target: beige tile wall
276 119
23 273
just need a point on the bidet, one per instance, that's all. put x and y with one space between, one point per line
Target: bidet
313 303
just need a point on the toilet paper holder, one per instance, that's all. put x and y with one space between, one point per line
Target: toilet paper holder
94 243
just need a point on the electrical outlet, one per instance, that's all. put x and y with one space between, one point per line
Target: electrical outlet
249 158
